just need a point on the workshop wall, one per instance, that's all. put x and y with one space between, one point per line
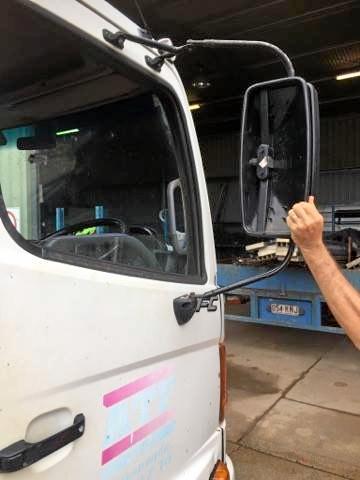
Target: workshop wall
339 165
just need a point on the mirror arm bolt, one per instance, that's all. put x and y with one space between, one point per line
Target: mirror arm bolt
117 39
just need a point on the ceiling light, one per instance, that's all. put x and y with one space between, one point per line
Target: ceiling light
201 83
345 76
194 106
67 132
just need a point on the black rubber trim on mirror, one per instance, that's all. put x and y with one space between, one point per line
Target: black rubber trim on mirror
315 120
22 454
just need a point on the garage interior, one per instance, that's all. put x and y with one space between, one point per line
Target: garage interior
294 408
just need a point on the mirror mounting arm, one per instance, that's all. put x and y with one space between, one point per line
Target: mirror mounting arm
211 43
167 51
186 305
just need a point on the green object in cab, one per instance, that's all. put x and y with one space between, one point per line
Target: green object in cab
86 231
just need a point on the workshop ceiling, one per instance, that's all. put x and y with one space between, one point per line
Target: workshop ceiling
322 37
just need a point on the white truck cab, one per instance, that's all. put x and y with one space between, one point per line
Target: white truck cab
104 222
112 362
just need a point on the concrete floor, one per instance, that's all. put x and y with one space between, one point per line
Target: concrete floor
294 404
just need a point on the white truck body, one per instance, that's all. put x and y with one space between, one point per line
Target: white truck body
105 344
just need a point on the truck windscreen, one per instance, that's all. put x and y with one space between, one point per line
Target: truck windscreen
90 151
93 184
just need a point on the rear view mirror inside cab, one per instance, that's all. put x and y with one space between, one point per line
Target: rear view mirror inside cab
36 143
279 153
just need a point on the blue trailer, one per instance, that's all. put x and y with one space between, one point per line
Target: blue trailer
290 299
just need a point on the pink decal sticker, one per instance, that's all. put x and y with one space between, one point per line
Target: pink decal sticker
125 443
134 387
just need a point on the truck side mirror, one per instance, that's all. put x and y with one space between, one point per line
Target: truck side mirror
279 153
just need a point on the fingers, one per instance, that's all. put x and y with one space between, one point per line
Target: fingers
291 221
302 211
304 215
292 216
306 224
306 210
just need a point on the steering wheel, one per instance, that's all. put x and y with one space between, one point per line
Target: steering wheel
137 252
96 222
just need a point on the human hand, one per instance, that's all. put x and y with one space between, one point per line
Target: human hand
306 225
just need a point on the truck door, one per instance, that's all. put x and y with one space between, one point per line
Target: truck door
97 379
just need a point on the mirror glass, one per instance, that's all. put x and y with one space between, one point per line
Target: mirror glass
277 153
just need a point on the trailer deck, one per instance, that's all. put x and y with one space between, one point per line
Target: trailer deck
290 299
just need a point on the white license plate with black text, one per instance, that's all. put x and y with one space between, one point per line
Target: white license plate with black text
284 309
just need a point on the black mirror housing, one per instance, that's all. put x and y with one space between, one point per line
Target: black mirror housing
279 153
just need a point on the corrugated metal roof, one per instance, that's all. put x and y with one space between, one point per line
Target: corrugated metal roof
322 38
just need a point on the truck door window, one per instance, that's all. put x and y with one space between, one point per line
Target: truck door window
92 187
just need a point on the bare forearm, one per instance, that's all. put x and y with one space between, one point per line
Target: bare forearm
342 299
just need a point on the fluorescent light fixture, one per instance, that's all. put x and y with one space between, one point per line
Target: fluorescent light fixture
194 106
345 76
67 132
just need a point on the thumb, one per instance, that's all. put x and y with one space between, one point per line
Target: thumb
312 200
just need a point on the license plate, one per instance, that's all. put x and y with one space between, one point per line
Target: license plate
283 309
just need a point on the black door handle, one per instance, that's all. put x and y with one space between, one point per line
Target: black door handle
22 454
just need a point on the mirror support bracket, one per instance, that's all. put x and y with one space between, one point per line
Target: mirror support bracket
186 305
167 51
